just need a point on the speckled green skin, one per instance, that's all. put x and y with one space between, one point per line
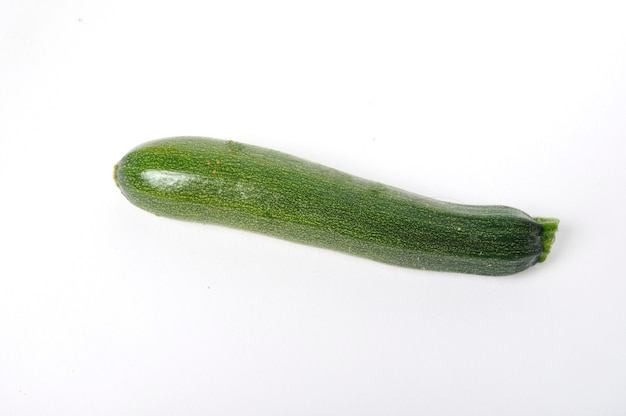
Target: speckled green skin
261 190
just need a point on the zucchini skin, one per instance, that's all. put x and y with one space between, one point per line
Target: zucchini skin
261 190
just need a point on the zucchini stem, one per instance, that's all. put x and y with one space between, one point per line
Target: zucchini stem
550 227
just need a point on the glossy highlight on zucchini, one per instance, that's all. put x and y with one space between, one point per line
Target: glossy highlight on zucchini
265 191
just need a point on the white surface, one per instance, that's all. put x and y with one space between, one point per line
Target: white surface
108 310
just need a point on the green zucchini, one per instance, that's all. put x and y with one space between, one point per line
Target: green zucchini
265 191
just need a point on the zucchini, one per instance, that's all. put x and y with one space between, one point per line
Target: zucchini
265 191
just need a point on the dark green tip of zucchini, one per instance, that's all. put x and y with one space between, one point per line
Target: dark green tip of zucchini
550 227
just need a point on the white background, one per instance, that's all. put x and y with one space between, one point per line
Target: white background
108 310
